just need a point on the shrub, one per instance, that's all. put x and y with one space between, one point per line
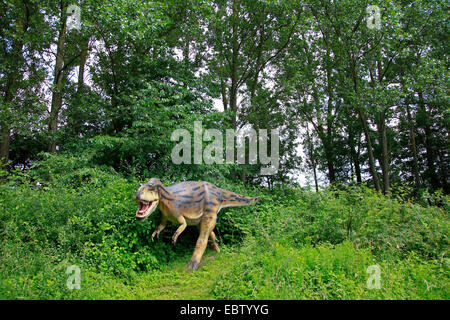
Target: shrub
294 245
328 272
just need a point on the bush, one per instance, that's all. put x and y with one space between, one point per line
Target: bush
286 273
95 225
386 226
328 272
294 245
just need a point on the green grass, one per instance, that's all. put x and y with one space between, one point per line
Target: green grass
323 272
176 284
294 245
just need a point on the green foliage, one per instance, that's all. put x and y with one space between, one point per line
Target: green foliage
294 245
305 245
138 70
281 272
359 214
328 272
92 221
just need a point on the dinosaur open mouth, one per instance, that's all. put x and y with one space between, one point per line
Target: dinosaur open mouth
145 208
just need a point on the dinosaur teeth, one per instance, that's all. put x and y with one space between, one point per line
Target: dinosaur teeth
143 207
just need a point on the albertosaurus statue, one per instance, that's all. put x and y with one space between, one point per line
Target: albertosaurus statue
189 203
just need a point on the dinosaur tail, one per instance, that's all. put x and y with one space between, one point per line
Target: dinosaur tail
231 199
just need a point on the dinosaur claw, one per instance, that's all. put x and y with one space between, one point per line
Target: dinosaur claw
192 266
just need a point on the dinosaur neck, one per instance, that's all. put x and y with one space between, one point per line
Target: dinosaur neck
165 196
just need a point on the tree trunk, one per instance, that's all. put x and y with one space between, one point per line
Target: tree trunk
224 95
330 166
430 154
244 177
186 47
362 117
329 138
76 116
315 176
5 125
4 147
234 65
412 136
372 167
58 82
356 161
354 155
328 148
312 159
11 83
443 170
384 150
83 59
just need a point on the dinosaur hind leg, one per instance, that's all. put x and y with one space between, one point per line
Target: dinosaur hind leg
206 226
214 242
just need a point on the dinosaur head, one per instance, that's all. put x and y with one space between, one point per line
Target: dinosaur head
147 198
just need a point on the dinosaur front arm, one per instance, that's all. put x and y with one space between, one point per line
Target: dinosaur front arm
160 228
183 225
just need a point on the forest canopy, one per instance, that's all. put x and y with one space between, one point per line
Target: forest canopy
358 96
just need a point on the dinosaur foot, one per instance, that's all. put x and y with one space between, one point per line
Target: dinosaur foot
192 266
155 234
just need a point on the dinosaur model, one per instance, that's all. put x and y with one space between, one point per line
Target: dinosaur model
189 203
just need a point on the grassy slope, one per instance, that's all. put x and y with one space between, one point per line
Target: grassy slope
171 283
221 276
311 273
175 284
295 245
